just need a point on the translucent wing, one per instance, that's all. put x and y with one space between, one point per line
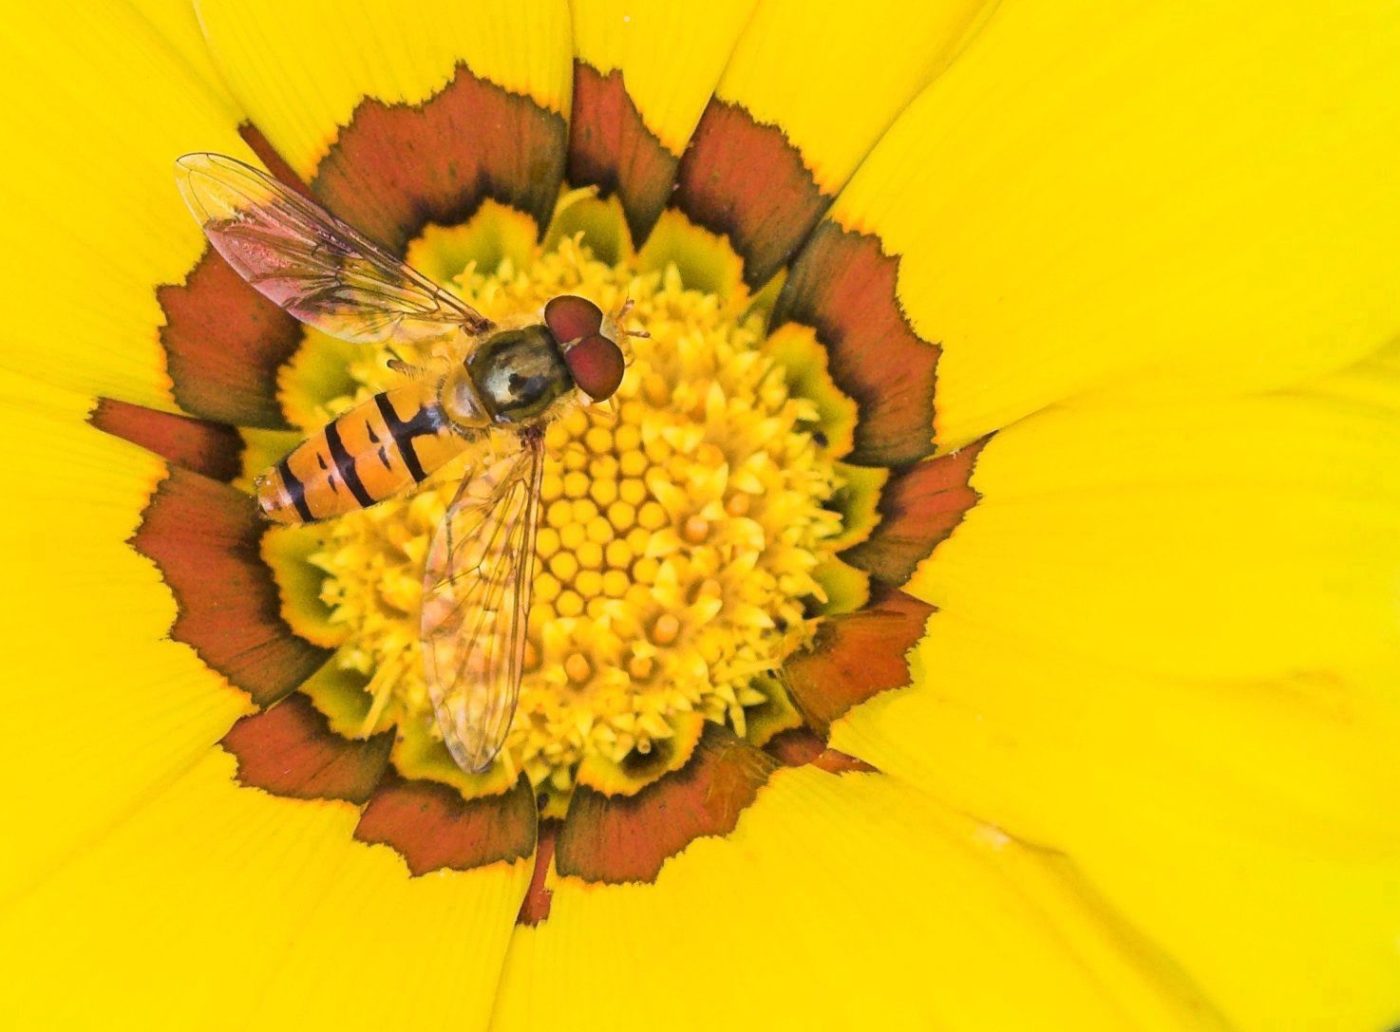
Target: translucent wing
309 262
476 596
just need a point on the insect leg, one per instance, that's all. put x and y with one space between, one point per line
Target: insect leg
399 365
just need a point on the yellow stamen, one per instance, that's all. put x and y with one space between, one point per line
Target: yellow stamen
590 555
564 565
600 530
696 530
599 440
603 490
615 583
578 668
575 484
665 629
622 514
547 588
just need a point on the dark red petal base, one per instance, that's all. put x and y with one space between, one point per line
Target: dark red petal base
611 147
224 343
745 180
290 750
397 167
210 449
802 746
204 535
920 507
843 286
856 657
627 838
274 162
432 827
534 908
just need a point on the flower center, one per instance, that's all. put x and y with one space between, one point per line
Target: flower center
682 527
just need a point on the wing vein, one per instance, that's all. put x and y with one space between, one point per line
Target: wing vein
476 603
321 270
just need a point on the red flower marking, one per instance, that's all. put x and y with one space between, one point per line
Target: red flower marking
627 838
397 167
919 507
211 449
843 285
801 746
610 146
290 750
856 657
224 343
204 537
432 827
745 180
535 907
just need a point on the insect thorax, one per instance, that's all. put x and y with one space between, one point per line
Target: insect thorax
519 374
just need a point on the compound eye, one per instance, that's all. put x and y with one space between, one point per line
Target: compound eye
596 364
572 318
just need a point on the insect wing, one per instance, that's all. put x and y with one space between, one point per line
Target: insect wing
476 597
309 262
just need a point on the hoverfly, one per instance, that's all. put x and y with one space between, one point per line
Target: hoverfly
485 380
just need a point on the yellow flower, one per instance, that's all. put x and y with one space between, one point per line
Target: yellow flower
1080 317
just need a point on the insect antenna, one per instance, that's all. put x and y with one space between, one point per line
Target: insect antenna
621 333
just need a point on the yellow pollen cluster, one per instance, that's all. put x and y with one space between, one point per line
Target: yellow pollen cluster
681 525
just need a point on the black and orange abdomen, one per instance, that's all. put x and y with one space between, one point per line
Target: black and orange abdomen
372 452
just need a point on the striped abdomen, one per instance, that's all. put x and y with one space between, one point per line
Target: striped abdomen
373 452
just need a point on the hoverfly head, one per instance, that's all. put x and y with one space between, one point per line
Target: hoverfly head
594 360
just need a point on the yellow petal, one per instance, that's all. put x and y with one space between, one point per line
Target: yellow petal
304 71
878 910
1242 538
93 221
1167 648
1188 199
834 78
1245 826
645 72
177 22
103 709
217 906
669 55
805 94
